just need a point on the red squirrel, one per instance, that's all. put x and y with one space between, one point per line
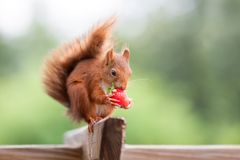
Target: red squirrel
78 74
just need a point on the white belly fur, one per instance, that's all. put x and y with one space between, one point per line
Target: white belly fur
101 109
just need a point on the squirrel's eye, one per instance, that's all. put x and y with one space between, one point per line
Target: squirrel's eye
113 72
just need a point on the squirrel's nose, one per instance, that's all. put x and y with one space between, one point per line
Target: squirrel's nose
123 87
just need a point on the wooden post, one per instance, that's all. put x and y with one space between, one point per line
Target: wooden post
112 139
105 143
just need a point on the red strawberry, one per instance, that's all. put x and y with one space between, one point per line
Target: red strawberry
124 100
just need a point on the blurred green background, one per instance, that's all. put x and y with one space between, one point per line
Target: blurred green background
185 59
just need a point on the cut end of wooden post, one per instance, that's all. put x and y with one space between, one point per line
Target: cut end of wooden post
104 143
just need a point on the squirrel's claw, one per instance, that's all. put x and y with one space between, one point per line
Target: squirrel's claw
90 128
90 125
114 102
92 122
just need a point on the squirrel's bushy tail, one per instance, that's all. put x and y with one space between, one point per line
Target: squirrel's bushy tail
63 60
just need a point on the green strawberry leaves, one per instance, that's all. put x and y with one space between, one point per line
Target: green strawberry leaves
110 89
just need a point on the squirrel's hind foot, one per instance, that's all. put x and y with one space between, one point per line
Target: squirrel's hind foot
92 122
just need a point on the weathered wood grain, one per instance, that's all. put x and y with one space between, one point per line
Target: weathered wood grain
105 143
90 143
40 152
170 152
112 139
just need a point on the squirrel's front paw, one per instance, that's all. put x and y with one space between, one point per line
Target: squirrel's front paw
112 101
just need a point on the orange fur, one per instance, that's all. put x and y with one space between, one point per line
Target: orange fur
75 74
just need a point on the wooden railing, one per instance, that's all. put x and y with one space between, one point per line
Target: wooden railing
107 143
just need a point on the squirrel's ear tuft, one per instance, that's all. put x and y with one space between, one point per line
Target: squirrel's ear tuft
109 56
126 54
